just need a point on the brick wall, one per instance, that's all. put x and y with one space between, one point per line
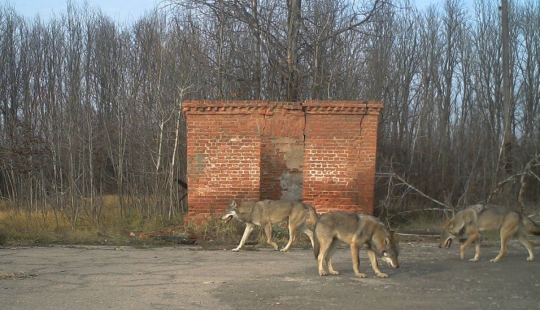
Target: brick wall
282 151
340 153
223 154
321 151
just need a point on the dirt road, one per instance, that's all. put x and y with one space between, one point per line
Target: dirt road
103 277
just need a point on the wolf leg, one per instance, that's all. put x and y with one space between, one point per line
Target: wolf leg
476 252
355 255
375 264
522 237
247 231
292 230
502 252
323 254
331 252
509 228
268 232
473 236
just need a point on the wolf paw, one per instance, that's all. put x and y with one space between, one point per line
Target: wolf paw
494 260
235 249
530 259
334 272
382 275
322 273
473 259
361 275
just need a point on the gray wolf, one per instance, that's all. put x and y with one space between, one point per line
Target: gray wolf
267 212
357 230
467 225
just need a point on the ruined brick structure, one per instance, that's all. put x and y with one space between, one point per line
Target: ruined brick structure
320 151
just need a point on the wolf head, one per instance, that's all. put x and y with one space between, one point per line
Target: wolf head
452 229
231 212
389 249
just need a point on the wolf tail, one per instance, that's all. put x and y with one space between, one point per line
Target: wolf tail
531 226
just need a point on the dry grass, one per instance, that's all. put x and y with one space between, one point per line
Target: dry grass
48 225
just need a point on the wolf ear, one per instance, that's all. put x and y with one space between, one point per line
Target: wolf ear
233 204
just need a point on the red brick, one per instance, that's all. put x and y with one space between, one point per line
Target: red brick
251 149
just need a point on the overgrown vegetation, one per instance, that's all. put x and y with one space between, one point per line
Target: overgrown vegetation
49 225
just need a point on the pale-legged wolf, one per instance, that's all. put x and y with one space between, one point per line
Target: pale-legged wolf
267 212
470 222
356 230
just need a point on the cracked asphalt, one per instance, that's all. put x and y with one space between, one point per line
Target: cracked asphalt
188 277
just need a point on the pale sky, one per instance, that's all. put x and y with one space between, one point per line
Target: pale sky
118 10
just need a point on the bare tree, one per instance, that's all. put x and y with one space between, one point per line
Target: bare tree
506 149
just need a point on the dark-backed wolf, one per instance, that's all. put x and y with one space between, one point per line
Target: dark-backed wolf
470 222
357 230
267 212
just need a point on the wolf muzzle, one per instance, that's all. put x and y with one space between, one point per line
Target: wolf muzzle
446 243
391 261
227 217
